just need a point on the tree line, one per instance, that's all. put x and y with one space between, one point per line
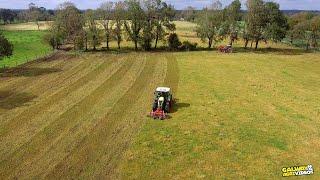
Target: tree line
262 21
145 23
33 13
305 27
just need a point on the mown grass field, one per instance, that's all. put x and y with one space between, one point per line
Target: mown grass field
241 115
27 45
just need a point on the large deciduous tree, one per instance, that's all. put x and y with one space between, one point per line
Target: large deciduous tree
93 31
208 24
135 22
305 27
277 24
148 26
264 21
105 13
68 25
119 18
34 14
256 20
163 17
232 17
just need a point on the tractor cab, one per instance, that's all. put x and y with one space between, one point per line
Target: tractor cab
163 92
162 104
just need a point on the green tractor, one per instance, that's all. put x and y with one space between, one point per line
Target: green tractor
163 103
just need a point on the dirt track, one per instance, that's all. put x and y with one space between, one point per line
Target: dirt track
76 116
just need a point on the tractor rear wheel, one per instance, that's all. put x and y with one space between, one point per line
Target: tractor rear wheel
167 108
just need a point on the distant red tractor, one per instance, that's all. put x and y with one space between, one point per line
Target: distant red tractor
225 49
163 103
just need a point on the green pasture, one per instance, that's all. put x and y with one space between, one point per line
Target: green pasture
28 45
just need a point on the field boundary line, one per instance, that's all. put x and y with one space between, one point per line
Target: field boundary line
172 76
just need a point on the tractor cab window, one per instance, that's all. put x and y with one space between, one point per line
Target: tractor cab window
160 94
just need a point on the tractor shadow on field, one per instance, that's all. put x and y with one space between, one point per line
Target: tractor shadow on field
27 71
10 99
179 105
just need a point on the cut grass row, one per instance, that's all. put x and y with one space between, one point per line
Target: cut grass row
21 121
238 115
17 89
86 159
82 128
63 147
54 81
66 121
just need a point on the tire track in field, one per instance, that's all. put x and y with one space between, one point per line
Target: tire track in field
84 157
44 86
42 106
172 76
127 129
38 85
24 132
21 82
68 66
62 146
54 129
13 82
169 78
8 81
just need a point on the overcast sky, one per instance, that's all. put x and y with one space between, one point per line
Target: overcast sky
178 4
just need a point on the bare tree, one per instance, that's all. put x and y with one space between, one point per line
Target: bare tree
34 14
256 20
93 30
68 24
105 13
231 25
208 25
119 15
163 20
134 24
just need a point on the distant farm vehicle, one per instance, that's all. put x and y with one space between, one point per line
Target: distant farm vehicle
163 102
225 49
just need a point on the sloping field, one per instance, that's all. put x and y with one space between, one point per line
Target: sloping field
75 116
240 115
